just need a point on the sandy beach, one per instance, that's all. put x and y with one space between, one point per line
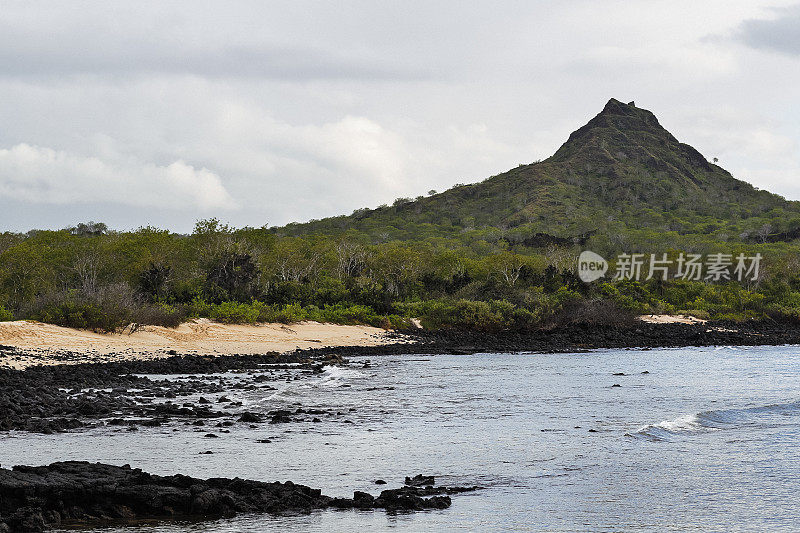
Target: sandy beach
671 319
49 344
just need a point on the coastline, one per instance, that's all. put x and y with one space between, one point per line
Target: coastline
582 338
30 343
133 394
26 343
49 391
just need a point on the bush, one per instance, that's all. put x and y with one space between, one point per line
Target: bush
159 315
257 311
352 314
738 317
198 308
5 314
395 322
105 311
491 316
697 313
114 308
234 313
596 312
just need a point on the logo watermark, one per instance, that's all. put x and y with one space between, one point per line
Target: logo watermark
693 267
591 266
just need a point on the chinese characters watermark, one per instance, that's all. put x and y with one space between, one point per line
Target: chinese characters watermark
693 267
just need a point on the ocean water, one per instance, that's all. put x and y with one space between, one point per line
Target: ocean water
698 439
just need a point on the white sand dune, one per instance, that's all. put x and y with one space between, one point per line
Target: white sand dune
198 336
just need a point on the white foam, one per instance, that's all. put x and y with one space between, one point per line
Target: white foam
339 372
332 376
684 423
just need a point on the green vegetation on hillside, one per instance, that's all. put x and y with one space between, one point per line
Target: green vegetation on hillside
107 281
620 172
493 256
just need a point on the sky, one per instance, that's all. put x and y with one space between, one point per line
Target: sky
263 113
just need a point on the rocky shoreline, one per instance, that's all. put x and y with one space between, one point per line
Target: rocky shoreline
191 393
582 337
76 493
126 395
54 398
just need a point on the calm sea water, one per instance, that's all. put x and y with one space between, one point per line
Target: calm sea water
707 440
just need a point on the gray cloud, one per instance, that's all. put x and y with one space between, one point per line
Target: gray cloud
20 57
42 175
780 34
261 111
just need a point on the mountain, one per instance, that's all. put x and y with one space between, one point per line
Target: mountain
622 171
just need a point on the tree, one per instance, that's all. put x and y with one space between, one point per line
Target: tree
508 266
89 229
396 267
153 280
294 260
86 266
764 231
350 259
232 277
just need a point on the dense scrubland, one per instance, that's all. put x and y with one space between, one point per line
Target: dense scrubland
89 277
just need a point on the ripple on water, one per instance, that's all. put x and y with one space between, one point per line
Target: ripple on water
706 440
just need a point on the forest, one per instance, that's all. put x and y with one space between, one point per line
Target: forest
89 276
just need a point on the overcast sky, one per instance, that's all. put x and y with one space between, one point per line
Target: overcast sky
161 113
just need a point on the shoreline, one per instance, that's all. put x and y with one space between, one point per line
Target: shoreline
54 397
582 338
28 343
132 394
24 344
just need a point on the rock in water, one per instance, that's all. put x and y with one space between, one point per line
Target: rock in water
420 481
76 493
38 498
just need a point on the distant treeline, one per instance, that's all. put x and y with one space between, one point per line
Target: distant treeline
91 277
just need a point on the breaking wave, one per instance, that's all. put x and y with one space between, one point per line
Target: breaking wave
331 377
716 420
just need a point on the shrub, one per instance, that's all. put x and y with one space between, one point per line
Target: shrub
287 314
395 322
257 311
697 313
234 313
5 314
491 316
107 310
595 312
349 314
111 309
198 308
159 315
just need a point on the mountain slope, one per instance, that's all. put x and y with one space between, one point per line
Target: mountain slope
622 170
